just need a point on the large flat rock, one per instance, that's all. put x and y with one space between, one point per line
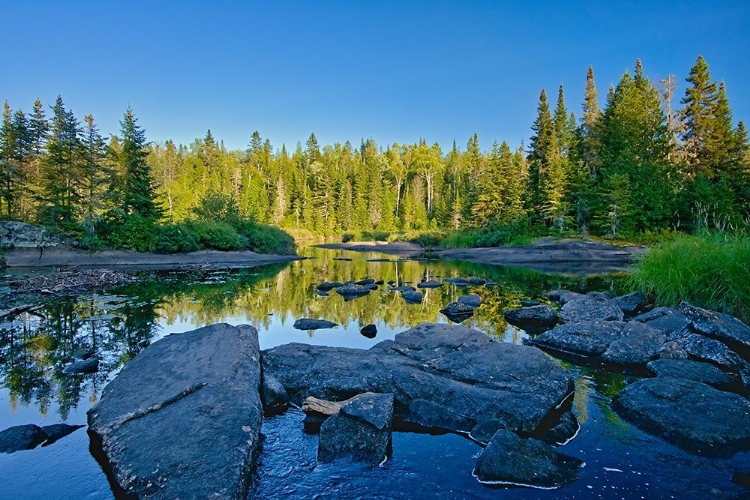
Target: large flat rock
445 370
690 414
182 419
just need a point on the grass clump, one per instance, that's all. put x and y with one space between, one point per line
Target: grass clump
708 270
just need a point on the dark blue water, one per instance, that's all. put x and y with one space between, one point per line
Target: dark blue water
621 462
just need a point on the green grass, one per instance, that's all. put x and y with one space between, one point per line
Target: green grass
710 270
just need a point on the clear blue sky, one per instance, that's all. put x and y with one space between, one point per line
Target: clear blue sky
393 71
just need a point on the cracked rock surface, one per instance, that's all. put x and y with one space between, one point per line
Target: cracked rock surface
182 419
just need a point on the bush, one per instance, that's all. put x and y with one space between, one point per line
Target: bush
218 236
347 237
493 236
177 238
710 270
262 238
135 233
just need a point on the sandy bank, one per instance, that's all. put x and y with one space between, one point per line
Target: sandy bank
71 257
401 248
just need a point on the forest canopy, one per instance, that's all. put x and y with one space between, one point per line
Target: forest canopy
646 161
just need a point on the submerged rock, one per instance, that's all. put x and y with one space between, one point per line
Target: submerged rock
365 282
402 289
589 308
536 318
329 285
412 297
689 414
460 370
476 281
563 431
21 437
56 432
313 324
462 282
182 419
352 291
691 370
369 331
509 459
457 311
360 431
90 365
429 284
472 300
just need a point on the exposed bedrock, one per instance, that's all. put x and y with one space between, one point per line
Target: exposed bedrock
443 376
182 419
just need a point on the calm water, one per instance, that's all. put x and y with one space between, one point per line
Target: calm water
621 461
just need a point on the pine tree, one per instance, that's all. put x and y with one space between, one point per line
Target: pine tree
547 166
698 117
95 172
137 197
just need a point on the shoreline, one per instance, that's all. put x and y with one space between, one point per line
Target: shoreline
401 248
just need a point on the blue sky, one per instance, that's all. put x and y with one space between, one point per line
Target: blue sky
393 71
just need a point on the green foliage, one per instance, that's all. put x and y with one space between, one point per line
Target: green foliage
219 207
133 233
709 270
218 236
177 238
347 237
262 238
502 235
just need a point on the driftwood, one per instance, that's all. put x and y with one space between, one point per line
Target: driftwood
322 406
71 281
16 310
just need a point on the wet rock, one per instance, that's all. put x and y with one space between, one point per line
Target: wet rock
364 282
587 339
632 303
313 324
691 370
459 369
89 365
273 395
436 415
562 297
21 437
712 351
530 303
182 419
741 478
672 350
321 293
689 414
590 308
372 286
508 459
745 379
665 319
56 432
482 432
328 285
402 289
412 297
533 319
476 281
360 431
563 431
716 325
639 344
352 291
462 282
472 300
457 312
369 331
429 284
600 295
379 282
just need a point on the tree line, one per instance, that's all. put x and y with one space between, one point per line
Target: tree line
639 164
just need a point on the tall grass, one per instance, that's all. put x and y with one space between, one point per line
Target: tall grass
708 270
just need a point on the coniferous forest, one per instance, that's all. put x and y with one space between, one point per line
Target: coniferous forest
638 158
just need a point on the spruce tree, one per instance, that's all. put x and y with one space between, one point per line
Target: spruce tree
698 117
137 198
95 172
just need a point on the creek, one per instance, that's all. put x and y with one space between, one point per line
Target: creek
621 461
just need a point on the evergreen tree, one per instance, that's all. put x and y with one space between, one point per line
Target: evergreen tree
9 169
137 197
547 167
95 174
698 117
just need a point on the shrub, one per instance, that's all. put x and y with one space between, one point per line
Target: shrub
177 238
262 238
381 236
218 236
135 233
711 271
347 237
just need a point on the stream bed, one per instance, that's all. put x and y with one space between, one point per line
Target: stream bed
621 461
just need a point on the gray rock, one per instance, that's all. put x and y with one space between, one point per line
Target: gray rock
745 379
472 300
490 284
600 295
508 459
587 339
689 414
313 324
462 282
482 432
412 297
352 291
590 308
457 368
21 235
534 319
90 365
563 431
366 281
632 303
371 286
476 281
719 326
530 303
21 437
369 331
665 319
321 293
429 284
329 285
562 297
402 289
691 370
56 432
273 395
360 431
639 344
672 350
436 415
712 351
457 312
182 419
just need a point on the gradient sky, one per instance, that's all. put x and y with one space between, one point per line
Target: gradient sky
392 71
